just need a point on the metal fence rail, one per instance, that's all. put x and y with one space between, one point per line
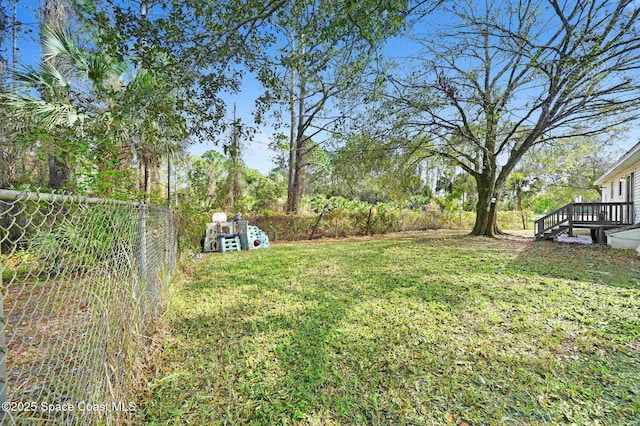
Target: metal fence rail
82 283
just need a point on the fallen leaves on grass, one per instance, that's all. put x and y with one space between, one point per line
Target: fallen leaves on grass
354 332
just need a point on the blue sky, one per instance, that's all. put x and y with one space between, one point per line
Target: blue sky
256 154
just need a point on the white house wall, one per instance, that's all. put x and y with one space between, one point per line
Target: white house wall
627 164
618 196
636 193
621 196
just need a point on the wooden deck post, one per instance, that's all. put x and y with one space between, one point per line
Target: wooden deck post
570 214
601 237
592 216
602 217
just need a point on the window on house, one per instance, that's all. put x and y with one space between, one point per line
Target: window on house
611 191
620 187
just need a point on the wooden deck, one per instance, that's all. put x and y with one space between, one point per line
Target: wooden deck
595 216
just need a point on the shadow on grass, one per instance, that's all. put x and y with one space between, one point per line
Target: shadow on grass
310 331
605 266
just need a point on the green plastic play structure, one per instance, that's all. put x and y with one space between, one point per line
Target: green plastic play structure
223 236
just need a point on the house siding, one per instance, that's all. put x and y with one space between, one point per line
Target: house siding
636 193
620 196
627 164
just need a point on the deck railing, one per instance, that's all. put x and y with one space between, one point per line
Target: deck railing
553 219
580 214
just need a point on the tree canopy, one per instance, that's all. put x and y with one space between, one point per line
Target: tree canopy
379 101
499 78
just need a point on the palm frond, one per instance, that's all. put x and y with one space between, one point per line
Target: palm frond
59 44
50 115
47 79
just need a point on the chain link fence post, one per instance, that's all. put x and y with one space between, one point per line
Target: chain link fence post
82 282
142 262
142 238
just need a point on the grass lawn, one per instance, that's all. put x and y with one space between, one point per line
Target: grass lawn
426 328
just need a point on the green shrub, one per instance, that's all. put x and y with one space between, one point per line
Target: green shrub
511 219
378 219
84 238
333 217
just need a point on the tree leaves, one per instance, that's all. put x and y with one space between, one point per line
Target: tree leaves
501 80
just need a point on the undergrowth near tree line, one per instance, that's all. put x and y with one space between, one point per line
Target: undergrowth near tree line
346 221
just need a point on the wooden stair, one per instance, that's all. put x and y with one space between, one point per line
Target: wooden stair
549 235
598 217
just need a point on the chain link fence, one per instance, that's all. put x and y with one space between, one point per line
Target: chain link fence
82 283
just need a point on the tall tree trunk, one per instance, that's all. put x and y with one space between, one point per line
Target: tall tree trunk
147 180
56 13
59 172
296 161
292 144
4 156
298 181
236 163
486 208
145 172
145 149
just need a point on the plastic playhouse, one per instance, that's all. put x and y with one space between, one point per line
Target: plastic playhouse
235 235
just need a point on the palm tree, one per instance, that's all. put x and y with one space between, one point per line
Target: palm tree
73 84
152 115
87 109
